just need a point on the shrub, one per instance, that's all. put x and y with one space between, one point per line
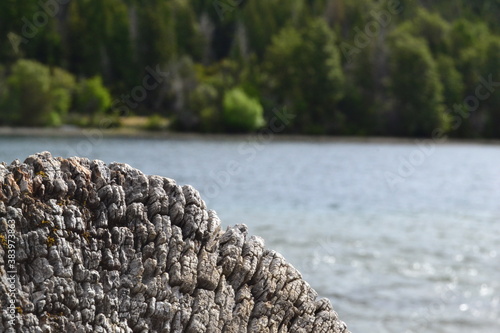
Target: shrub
63 85
92 98
34 95
203 95
155 123
241 113
27 99
204 100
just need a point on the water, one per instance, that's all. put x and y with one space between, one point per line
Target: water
401 239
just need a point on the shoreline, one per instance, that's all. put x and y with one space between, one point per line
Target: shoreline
131 133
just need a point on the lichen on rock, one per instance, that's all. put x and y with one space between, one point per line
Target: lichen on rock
105 248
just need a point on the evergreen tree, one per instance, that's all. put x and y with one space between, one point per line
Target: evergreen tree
417 93
265 18
305 72
432 27
17 29
490 92
452 80
277 52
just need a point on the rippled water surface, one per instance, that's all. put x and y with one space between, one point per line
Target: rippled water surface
400 238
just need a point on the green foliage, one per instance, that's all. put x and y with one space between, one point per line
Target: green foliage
155 123
155 41
182 81
452 80
432 27
264 19
416 89
3 94
62 79
11 29
465 34
365 92
491 101
189 39
241 113
92 98
471 42
101 42
34 95
405 66
205 100
27 99
63 85
203 95
305 71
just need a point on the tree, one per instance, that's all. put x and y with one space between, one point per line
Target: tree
263 19
3 97
432 27
241 113
416 91
304 71
452 80
205 92
470 42
278 52
465 34
92 98
189 39
491 101
100 42
156 42
62 87
15 16
28 98
365 101
204 100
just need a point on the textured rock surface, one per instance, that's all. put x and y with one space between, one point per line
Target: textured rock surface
108 249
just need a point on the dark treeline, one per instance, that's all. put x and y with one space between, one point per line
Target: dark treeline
342 67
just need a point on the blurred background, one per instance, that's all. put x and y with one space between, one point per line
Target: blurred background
356 137
361 67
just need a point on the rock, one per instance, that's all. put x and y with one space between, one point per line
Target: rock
108 249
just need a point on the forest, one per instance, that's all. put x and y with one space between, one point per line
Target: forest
402 68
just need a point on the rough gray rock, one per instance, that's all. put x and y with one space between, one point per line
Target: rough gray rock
108 249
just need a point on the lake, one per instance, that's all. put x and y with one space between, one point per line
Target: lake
401 237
